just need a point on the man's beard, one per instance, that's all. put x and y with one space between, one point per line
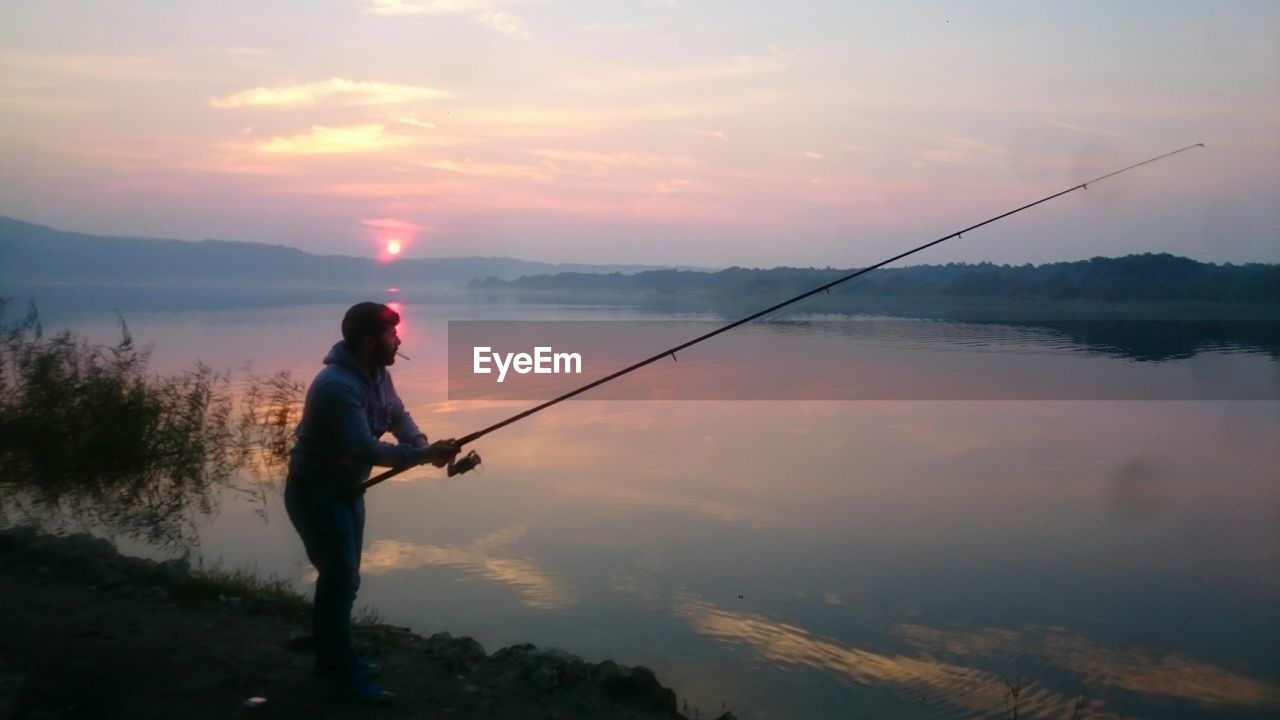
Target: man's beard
388 356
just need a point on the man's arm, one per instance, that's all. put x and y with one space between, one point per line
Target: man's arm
402 424
343 413
438 453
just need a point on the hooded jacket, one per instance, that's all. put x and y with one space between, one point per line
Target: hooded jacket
346 411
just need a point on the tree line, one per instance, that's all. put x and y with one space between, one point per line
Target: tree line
1145 277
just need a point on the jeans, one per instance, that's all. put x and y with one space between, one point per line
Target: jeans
331 524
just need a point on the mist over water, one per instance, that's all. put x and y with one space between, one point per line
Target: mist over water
817 558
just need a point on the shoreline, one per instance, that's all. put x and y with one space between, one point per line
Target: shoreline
89 632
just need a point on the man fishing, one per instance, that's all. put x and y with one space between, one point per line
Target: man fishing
351 403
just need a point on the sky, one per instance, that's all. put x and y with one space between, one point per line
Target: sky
685 132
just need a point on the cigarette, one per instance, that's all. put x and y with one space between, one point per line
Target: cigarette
406 357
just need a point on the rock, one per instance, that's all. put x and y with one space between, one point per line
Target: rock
608 671
472 651
455 655
637 682
171 573
545 678
527 653
95 572
565 667
85 545
16 538
513 653
112 578
559 658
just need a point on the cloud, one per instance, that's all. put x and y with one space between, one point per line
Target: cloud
418 123
484 12
618 80
957 150
813 155
84 67
244 51
391 224
611 27
504 23
717 134
332 140
549 123
771 62
490 170
1079 128
596 163
428 7
334 91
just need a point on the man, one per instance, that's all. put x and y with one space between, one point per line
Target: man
349 406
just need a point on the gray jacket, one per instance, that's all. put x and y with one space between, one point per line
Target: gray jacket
345 414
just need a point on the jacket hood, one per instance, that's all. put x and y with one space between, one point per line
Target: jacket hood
340 355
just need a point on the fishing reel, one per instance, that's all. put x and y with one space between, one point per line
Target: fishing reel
464 464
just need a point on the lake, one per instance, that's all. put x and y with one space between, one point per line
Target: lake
818 517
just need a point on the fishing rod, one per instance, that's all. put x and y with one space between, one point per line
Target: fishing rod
471 459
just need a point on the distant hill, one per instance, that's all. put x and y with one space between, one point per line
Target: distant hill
35 253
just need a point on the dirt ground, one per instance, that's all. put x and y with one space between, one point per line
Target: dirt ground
86 633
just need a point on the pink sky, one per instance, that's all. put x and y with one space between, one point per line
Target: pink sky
663 132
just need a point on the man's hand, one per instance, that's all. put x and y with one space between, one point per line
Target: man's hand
441 452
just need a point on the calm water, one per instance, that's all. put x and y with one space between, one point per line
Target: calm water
891 557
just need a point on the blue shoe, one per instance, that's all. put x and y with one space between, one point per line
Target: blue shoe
363 690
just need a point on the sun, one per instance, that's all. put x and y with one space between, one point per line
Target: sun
393 247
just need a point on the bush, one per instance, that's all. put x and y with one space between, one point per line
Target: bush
87 434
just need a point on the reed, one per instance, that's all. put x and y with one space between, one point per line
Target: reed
89 436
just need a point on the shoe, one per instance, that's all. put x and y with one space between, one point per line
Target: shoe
363 690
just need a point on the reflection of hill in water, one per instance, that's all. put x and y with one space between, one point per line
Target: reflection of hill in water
1026 325
61 300
1143 341
1169 339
